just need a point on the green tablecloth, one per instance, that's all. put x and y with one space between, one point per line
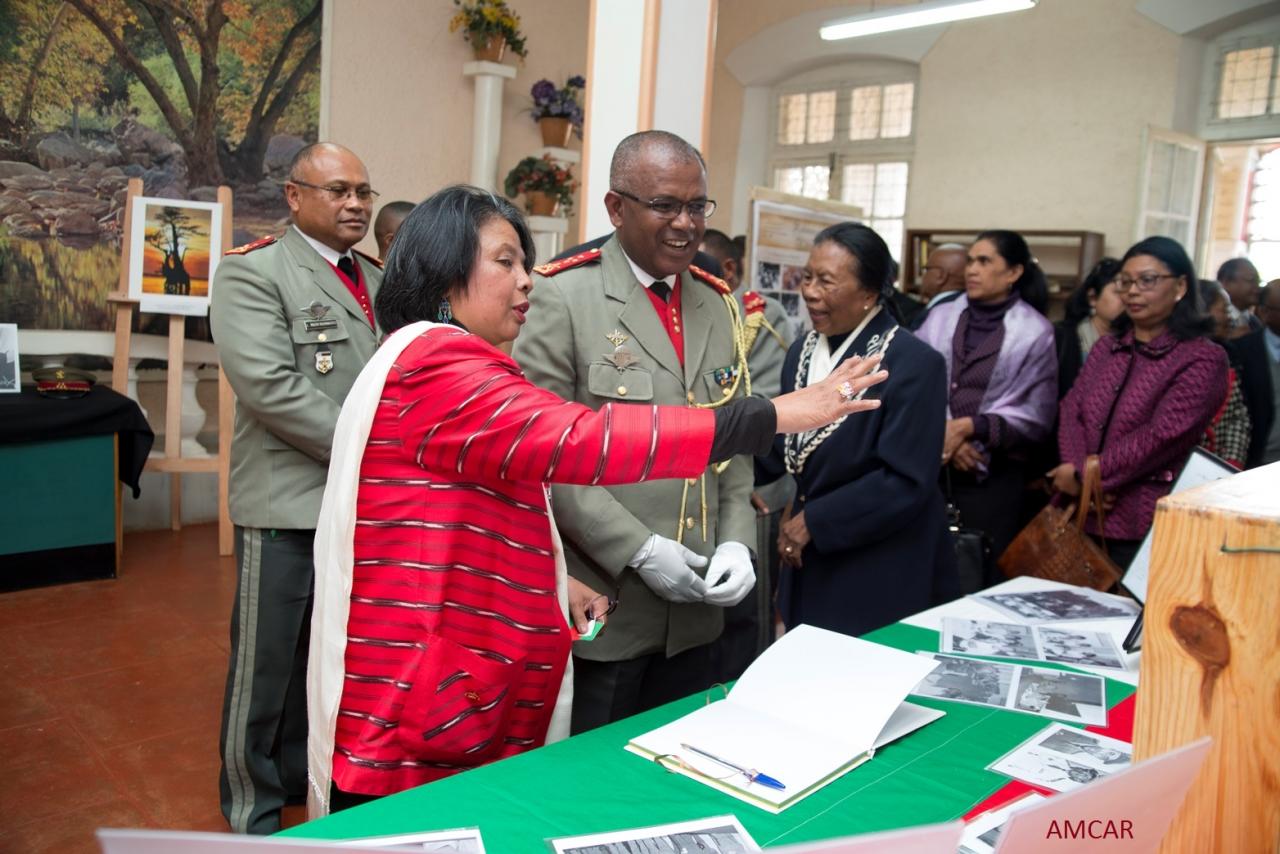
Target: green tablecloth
589 784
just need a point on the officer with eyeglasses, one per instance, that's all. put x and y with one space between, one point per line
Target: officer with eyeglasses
635 321
294 324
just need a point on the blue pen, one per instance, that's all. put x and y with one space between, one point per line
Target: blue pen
751 774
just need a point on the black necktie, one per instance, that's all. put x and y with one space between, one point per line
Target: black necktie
348 267
662 289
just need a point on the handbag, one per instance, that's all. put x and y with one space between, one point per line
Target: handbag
1056 547
972 547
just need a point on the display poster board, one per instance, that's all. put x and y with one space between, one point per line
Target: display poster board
174 246
780 233
10 367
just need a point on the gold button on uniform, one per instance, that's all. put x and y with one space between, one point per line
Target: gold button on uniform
727 392
322 337
622 390
688 523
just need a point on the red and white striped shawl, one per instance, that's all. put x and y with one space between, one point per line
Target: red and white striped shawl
456 643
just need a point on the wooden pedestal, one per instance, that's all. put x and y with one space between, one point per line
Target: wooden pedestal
1211 658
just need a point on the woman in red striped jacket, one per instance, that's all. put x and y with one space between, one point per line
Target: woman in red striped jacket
440 638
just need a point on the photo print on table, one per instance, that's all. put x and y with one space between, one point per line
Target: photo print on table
1074 697
722 834
1073 646
1062 758
1050 606
968 680
1057 694
983 637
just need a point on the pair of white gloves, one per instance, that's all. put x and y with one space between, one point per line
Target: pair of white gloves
667 567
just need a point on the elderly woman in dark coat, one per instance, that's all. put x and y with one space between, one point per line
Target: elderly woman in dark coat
866 541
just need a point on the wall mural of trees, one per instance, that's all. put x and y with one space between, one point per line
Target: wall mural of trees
185 94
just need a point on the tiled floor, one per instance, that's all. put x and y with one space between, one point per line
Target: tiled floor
112 692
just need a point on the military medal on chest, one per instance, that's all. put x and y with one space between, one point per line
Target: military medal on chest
621 357
324 361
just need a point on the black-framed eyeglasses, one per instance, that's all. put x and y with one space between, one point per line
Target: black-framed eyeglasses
1143 283
339 192
669 208
609 604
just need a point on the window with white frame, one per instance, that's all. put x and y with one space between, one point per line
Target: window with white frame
1248 84
1262 221
851 141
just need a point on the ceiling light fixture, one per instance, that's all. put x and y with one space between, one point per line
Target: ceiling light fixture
918 15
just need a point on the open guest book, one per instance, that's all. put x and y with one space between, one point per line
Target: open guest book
814 706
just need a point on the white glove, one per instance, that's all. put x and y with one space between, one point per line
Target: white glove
668 569
731 575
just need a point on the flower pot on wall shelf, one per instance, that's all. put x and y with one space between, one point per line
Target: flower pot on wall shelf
555 131
540 204
489 48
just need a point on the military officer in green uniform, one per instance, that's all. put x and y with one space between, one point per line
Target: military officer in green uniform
632 321
293 321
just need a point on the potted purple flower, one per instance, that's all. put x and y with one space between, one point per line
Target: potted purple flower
558 112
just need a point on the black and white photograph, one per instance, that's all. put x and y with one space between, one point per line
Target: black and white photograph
768 277
1062 758
983 637
983 832
462 841
721 834
10 370
1074 697
967 680
1072 646
1051 606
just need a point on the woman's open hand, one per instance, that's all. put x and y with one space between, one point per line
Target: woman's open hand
824 402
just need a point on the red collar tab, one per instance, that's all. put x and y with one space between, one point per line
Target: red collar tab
714 281
552 267
249 247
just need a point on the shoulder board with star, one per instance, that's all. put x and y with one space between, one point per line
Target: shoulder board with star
753 302
249 247
714 281
377 262
552 267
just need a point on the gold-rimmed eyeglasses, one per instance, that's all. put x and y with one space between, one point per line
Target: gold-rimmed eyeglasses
669 208
340 192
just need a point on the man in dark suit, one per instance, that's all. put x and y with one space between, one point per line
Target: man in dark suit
1258 355
943 278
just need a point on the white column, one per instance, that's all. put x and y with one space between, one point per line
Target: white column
486 126
650 67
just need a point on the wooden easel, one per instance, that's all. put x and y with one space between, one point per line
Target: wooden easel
173 463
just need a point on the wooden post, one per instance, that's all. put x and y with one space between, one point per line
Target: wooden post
173 414
226 410
1211 658
124 306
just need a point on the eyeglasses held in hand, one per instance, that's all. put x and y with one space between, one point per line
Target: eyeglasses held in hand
339 192
1143 283
593 607
669 208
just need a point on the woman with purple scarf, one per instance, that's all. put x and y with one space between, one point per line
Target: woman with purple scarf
1002 383
1145 395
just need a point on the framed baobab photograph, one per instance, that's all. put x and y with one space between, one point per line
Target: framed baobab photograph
172 255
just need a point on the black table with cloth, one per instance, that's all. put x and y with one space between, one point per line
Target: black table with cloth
60 460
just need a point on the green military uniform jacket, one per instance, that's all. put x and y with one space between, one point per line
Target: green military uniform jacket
272 349
564 347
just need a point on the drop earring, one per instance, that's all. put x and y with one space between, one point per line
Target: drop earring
444 314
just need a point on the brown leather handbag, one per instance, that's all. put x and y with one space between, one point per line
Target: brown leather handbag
1054 546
